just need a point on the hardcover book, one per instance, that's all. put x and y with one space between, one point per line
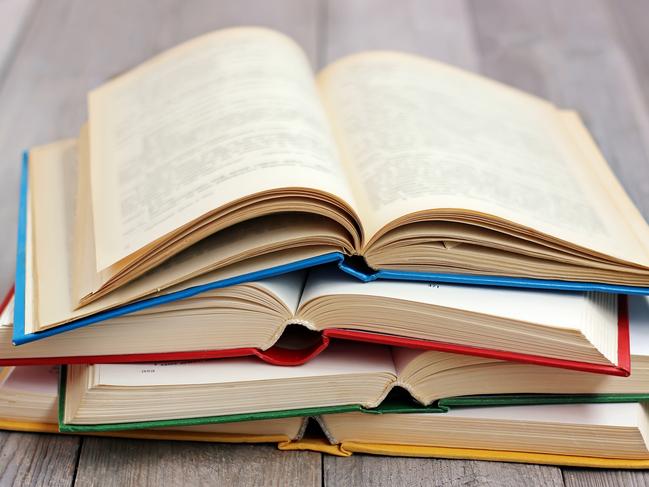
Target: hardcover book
611 435
29 402
288 319
346 377
392 165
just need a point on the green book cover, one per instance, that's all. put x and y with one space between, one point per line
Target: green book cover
398 401
536 399
168 423
401 402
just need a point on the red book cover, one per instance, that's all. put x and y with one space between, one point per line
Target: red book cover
277 355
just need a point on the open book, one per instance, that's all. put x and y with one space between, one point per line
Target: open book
593 430
345 377
611 435
226 155
290 318
29 402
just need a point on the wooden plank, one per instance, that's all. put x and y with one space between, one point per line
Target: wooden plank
604 478
37 459
378 471
537 46
14 15
122 463
437 29
630 20
72 46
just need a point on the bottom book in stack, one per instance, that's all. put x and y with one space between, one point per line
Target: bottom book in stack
586 434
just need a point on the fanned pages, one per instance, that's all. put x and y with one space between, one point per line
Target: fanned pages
474 160
346 375
55 283
254 141
29 402
591 430
583 326
417 165
580 330
609 434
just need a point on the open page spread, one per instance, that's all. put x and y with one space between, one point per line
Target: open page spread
226 156
211 122
420 135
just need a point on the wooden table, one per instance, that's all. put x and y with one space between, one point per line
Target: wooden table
589 55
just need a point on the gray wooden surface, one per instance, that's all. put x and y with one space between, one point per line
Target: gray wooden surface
590 55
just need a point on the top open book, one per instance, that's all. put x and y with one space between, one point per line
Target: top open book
227 150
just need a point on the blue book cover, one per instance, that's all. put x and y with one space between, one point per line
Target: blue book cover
353 266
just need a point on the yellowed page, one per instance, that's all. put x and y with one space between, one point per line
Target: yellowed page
342 358
594 430
85 278
594 164
29 393
30 271
214 120
53 186
51 214
419 135
551 309
226 246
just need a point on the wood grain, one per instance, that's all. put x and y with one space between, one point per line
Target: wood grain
535 46
36 459
604 478
120 463
14 15
440 29
630 20
378 471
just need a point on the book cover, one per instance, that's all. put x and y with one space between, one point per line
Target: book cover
168 423
345 449
289 357
353 266
398 401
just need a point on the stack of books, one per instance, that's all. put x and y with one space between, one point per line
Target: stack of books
411 258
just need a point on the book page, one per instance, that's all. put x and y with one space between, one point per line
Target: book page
560 309
53 189
338 359
58 250
287 287
36 379
402 357
620 414
419 135
199 256
612 414
217 119
639 325
7 315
